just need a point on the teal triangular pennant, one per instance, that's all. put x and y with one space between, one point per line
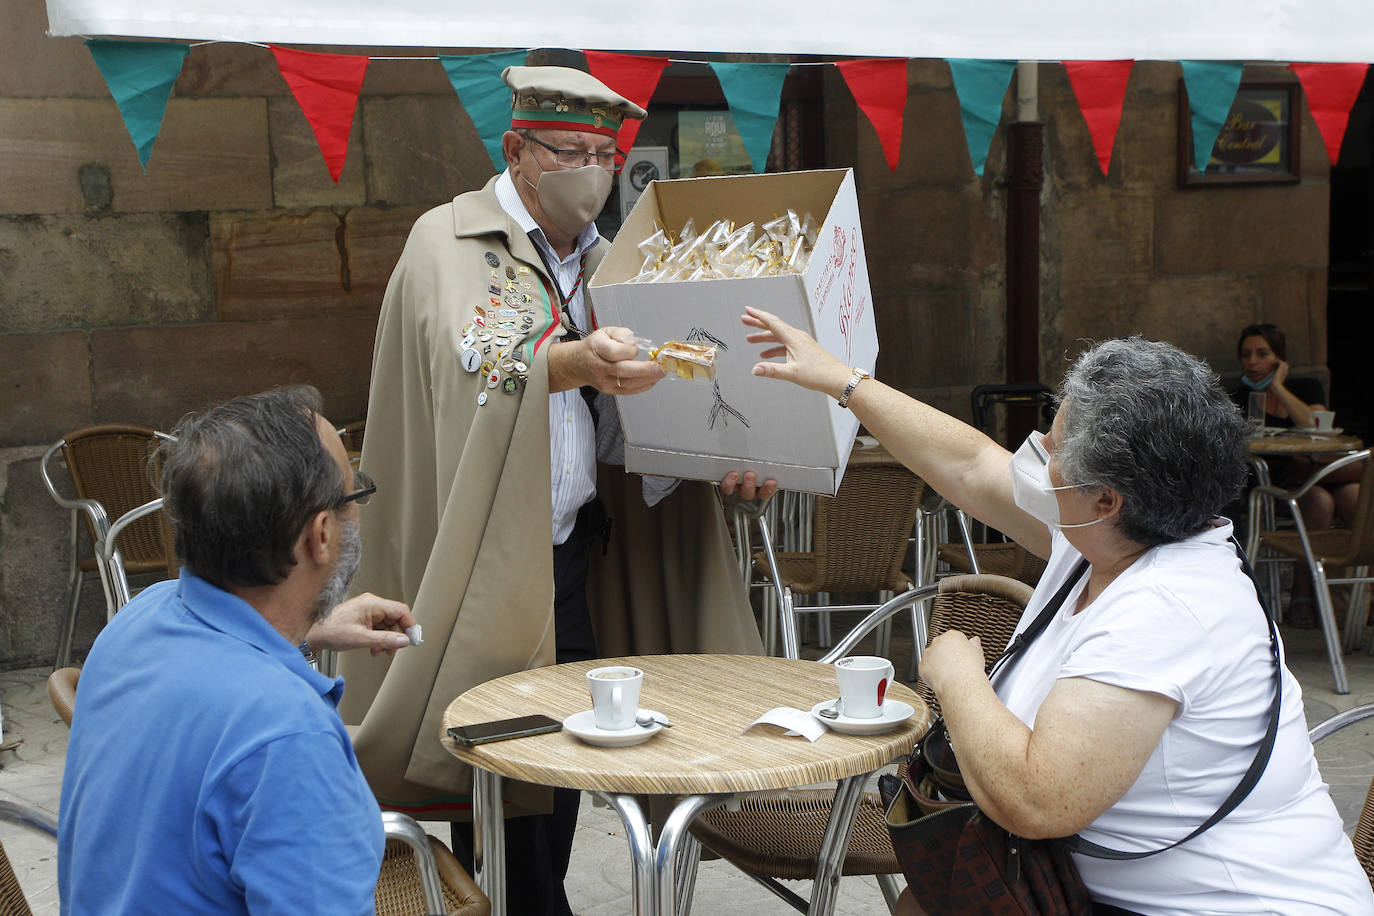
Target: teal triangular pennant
1212 86
980 86
477 80
754 92
140 75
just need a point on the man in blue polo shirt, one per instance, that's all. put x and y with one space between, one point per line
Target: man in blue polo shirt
208 772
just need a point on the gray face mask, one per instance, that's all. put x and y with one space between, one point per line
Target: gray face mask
572 198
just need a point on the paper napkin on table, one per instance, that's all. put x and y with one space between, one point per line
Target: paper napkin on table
794 721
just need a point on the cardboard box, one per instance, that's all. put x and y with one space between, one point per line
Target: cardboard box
702 430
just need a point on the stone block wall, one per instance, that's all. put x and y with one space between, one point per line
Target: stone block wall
1121 254
232 264
235 263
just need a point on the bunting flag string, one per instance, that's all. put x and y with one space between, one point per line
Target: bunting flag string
754 94
139 75
326 86
879 86
1331 91
980 86
1212 86
1100 88
632 76
477 80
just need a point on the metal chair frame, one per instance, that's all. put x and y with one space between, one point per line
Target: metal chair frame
1363 839
1354 627
848 792
98 525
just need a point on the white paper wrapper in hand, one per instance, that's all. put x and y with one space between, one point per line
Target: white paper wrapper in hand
415 635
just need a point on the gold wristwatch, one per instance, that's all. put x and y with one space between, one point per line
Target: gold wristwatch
856 375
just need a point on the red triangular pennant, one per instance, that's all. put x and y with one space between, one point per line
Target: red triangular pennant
1331 91
1100 87
633 77
326 86
879 86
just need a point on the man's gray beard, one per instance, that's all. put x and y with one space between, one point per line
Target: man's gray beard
341 577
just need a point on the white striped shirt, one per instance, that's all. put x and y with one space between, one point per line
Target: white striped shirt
572 435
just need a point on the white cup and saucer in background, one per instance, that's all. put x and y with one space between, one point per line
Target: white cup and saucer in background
611 722
863 707
1324 421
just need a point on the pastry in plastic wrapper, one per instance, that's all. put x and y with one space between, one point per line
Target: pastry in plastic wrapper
723 250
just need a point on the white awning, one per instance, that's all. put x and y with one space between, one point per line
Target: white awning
1283 30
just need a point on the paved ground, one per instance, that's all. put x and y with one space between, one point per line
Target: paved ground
36 741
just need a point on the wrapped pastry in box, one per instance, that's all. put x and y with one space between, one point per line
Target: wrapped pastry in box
692 254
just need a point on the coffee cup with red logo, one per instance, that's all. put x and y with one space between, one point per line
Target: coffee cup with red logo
864 680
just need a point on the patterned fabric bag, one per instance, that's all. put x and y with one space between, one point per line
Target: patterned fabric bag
957 861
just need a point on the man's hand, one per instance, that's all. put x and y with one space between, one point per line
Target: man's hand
363 622
748 487
604 359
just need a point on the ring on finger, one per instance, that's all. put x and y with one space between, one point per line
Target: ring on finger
617 382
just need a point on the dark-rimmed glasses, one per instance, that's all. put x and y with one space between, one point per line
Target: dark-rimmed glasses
366 486
611 161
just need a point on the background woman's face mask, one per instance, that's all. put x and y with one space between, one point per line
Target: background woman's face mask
1031 486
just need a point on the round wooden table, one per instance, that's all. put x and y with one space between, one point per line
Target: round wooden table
705 760
1295 442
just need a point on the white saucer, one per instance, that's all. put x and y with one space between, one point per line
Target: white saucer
583 725
1313 431
895 712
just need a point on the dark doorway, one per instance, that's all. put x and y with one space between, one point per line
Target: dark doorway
1350 297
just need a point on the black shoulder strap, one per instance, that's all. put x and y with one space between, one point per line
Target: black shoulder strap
1252 775
1041 620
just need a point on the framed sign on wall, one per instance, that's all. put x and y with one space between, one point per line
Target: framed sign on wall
1258 142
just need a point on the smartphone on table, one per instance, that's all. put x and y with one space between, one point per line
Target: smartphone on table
501 729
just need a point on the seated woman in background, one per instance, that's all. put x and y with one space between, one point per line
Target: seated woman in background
1139 707
1289 402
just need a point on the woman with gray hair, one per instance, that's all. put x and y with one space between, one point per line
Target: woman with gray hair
1138 709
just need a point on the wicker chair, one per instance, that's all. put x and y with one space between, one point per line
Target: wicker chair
12 900
1352 547
1363 839
1005 558
777 835
418 871
108 468
352 436
858 541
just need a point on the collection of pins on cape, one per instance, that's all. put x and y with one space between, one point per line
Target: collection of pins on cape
723 250
492 339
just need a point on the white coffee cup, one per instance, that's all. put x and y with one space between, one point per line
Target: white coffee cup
1324 419
615 696
864 680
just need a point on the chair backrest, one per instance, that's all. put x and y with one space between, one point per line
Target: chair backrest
988 607
352 435
62 692
1363 838
1032 394
860 535
12 902
110 464
1362 531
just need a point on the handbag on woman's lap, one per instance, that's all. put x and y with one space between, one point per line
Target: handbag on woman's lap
959 862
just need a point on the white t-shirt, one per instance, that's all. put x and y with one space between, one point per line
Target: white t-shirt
1183 621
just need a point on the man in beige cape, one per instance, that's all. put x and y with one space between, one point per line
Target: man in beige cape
479 433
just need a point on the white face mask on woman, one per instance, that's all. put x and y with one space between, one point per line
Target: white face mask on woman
572 198
1031 486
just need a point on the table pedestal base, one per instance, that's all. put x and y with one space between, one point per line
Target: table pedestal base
663 873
